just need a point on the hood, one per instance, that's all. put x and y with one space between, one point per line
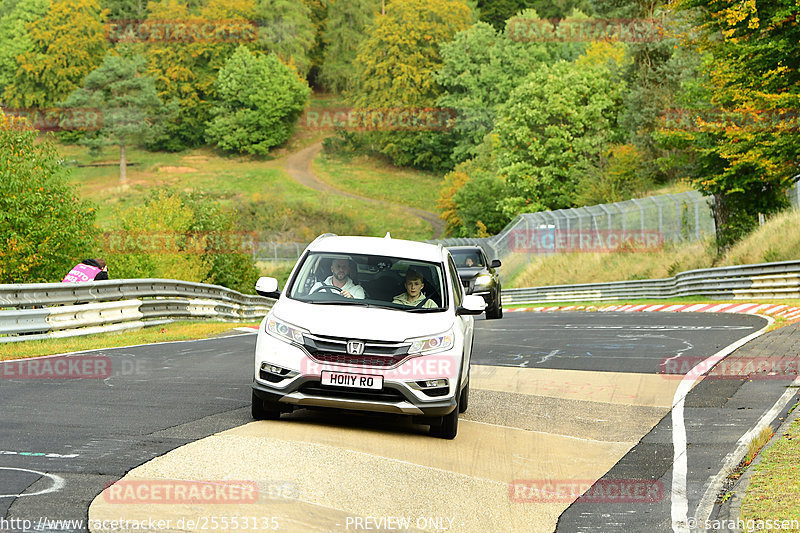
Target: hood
359 322
468 274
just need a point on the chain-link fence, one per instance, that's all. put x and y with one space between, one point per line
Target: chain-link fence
644 223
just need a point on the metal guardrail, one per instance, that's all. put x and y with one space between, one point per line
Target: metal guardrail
763 280
52 310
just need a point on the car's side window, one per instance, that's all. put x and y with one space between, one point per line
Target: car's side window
455 282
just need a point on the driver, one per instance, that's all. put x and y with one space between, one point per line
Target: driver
340 278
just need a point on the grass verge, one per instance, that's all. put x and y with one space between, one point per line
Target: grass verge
774 488
371 178
176 331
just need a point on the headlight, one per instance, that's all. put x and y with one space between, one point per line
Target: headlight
437 343
483 279
285 331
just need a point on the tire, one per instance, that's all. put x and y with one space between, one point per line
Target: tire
448 429
496 310
463 402
264 409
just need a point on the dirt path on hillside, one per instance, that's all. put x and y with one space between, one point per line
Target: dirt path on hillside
298 165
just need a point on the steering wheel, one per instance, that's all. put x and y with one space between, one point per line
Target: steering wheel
333 289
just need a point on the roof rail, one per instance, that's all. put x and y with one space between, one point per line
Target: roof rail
323 236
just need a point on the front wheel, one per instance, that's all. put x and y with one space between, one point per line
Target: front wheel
264 409
448 429
496 310
464 401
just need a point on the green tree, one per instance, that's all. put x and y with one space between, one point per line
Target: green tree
14 37
125 9
260 100
471 197
127 100
395 68
286 28
480 68
346 27
180 236
319 20
44 227
185 71
747 146
497 12
562 118
68 43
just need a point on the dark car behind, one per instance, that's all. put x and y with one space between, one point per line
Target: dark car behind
479 276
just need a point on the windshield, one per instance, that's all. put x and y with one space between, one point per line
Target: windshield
369 280
467 258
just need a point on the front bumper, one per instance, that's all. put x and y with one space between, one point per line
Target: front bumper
314 395
400 393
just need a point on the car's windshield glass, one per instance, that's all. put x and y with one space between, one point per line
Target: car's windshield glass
467 258
369 280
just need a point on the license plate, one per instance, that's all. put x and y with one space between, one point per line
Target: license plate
357 381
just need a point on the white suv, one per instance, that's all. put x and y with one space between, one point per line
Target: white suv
345 333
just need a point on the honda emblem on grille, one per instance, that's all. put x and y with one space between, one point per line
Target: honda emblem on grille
355 347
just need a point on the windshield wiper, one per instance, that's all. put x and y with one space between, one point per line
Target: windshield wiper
424 309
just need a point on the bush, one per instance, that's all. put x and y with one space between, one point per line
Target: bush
260 100
185 237
44 227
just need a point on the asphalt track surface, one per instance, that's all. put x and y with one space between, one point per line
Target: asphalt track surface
63 441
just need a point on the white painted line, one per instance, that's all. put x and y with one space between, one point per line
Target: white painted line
678 497
732 460
58 483
40 454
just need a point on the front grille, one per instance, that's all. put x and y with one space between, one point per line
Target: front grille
365 360
386 395
334 350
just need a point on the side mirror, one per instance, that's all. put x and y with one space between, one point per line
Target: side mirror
268 287
472 305
495 263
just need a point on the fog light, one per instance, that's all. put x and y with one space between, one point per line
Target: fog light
431 383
